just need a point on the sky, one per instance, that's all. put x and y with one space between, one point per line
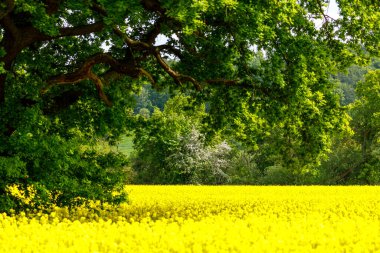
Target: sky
333 10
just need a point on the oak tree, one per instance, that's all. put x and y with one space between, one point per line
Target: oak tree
68 69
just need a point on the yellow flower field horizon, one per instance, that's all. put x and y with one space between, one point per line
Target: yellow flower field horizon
208 219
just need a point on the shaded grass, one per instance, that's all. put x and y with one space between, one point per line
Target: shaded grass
126 145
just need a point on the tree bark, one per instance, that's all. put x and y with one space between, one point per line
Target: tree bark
2 88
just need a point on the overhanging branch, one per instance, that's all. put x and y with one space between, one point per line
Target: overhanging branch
10 4
130 42
129 67
85 73
151 36
52 6
81 30
178 78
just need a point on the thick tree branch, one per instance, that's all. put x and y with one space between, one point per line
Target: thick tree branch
151 36
153 6
25 36
10 4
147 44
99 87
147 74
130 42
52 6
17 38
78 30
178 78
170 49
85 73
10 27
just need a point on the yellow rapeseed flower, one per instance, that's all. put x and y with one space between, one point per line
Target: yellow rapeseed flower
206 219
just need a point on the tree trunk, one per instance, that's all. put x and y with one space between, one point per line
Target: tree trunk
2 88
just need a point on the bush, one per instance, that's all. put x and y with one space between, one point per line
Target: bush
170 149
243 168
197 163
65 166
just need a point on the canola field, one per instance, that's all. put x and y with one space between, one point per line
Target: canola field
208 219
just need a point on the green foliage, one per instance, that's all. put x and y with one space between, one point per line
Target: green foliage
61 168
149 99
170 149
157 137
366 124
60 155
12 170
344 158
347 81
125 145
355 158
243 168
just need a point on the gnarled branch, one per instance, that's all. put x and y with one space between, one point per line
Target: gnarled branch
170 49
10 4
85 73
99 87
130 42
152 5
178 78
80 30
52 6
151 36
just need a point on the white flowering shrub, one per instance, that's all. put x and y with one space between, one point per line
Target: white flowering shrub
198 163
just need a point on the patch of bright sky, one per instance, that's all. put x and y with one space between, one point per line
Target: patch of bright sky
332 10
161 39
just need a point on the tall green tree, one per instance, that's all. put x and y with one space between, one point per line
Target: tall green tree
355 157
366 124
68 68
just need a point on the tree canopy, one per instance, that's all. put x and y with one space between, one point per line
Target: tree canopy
68 70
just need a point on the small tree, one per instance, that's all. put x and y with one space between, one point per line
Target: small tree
198 163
